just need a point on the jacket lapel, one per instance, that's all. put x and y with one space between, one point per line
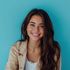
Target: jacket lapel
22 55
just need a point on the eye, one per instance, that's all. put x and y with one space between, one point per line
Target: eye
32 25
42 26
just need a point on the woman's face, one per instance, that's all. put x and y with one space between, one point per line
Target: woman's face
35 28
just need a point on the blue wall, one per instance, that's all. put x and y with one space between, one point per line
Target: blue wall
12 13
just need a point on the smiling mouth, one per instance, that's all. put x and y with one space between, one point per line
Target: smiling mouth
35 35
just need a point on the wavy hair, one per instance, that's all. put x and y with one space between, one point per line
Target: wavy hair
49 47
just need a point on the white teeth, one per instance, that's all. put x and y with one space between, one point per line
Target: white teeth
36 34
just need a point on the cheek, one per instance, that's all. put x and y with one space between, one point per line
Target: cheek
29 29
42 31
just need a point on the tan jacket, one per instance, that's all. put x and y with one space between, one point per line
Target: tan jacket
17 57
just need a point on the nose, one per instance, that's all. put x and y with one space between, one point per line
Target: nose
36 29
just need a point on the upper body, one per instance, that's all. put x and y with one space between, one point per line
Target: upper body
17 57
37 44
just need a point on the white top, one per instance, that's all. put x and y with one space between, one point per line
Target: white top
30 65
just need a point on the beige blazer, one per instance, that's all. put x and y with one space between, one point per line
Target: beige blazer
17 57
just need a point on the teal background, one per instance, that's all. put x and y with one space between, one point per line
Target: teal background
12 13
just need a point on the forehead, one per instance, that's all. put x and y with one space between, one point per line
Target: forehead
36 18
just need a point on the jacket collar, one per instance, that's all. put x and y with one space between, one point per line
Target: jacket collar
22 54
23 48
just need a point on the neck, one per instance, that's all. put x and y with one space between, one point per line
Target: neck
33 45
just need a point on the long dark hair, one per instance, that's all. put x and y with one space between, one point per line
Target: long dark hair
49 47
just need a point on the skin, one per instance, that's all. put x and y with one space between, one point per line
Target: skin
35 32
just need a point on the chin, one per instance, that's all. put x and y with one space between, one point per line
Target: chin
35 39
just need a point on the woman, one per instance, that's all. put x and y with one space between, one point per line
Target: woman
37 50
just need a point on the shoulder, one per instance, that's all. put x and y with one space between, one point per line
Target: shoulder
57 50
16 46
57 47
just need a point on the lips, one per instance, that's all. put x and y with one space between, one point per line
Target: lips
35 34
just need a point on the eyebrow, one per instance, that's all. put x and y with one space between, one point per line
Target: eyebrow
32 22
35 23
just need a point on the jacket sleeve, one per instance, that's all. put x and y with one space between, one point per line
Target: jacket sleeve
12 63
